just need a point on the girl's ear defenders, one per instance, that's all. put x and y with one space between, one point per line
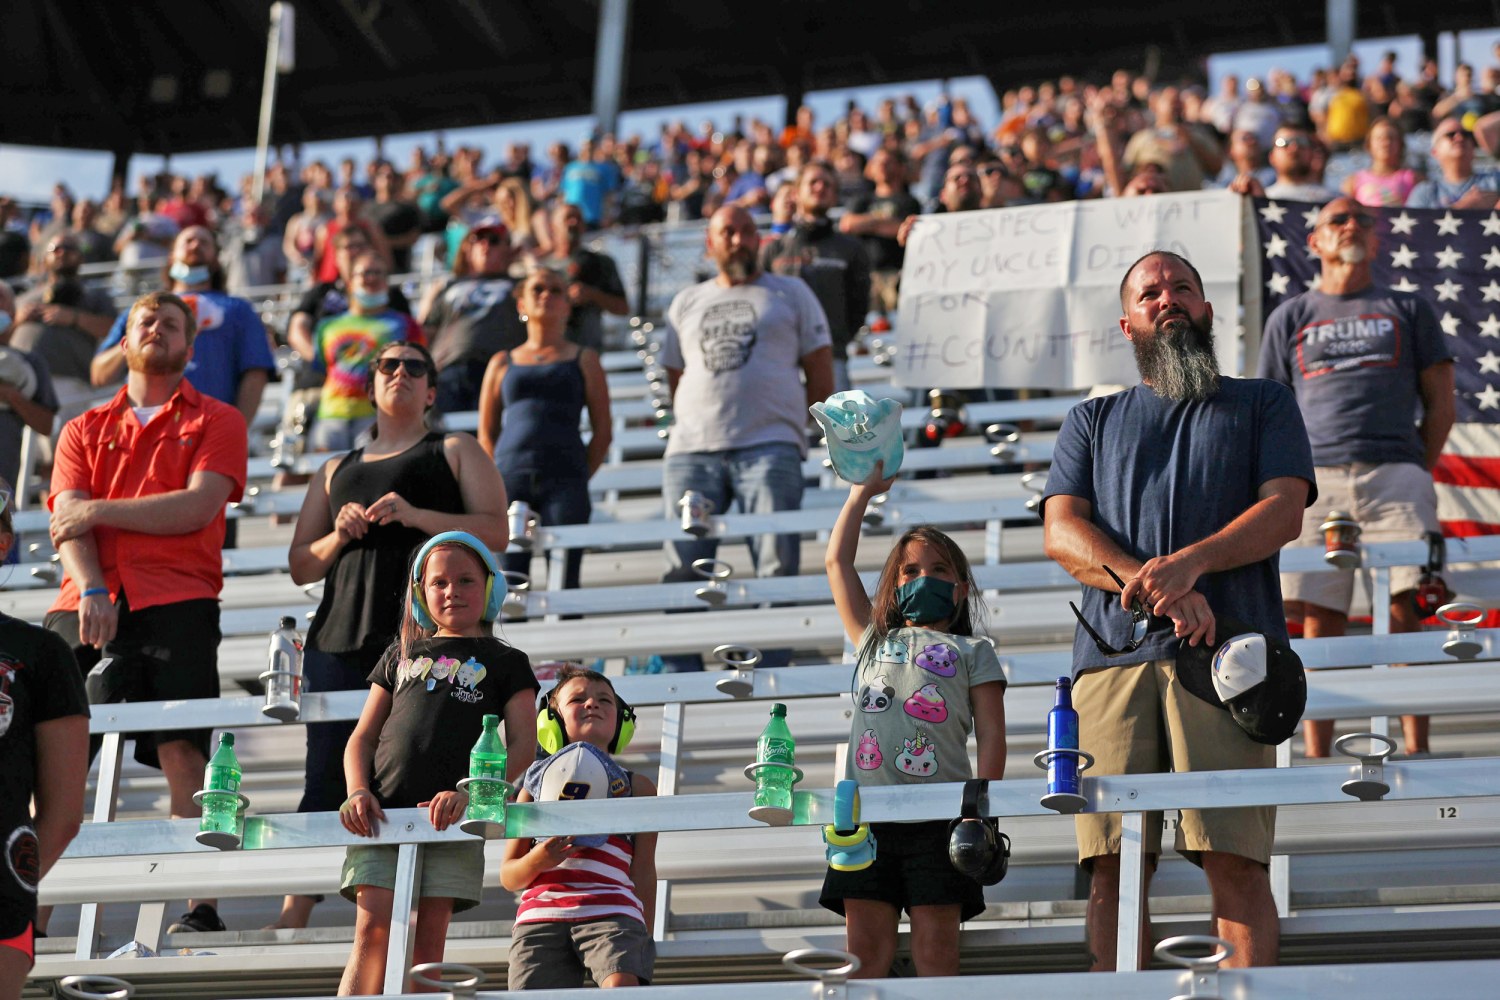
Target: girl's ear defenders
552 736
492 596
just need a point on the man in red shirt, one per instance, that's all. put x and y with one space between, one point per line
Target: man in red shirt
138 493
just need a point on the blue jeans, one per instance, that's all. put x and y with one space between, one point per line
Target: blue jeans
556 499
759 479
324 786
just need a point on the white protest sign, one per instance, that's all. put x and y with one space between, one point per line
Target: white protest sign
1029 297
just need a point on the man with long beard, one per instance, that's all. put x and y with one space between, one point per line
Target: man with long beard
1186 486
1361 361
138 494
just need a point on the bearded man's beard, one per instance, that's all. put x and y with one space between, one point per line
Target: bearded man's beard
1177 358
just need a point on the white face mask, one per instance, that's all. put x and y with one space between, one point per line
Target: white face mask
189 275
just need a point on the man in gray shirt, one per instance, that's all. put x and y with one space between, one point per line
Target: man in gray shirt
746 353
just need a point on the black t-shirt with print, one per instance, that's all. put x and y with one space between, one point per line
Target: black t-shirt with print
440 696
39 682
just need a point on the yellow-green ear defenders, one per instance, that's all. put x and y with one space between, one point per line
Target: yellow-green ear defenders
552 735
486 557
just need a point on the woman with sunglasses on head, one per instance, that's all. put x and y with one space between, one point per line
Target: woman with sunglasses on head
528 415
472 315
364 515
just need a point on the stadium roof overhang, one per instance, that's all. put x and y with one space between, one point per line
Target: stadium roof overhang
156 78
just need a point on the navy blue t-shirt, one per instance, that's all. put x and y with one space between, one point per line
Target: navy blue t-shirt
1162 474
1354 363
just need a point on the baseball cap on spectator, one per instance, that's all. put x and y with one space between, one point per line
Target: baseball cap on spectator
488 225
1259 680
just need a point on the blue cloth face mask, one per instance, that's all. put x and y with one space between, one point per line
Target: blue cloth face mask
373 300
197 274
861 431
5 321
926 599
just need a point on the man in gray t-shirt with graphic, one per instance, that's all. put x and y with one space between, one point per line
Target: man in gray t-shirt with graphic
746 353
1362 361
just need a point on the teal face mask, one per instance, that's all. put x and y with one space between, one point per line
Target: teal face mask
926 599
373 300
196 274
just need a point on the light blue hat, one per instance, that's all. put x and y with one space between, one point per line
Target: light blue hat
861 431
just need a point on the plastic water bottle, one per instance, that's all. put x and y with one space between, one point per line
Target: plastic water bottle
222 775
1062 734
773 785
283 676
487 760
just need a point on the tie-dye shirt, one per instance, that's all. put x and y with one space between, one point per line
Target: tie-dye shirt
344 347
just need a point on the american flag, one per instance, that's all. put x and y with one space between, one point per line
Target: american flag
1452 257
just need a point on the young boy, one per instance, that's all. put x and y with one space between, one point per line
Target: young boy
583 909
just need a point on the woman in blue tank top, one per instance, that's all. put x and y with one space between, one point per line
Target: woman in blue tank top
529 407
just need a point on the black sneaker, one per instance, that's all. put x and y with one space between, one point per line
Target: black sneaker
204 919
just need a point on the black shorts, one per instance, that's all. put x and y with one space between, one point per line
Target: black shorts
168 652
911 869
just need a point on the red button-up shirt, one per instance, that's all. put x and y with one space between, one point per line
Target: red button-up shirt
106 454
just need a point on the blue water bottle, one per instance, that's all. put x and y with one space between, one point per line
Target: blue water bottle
1062 754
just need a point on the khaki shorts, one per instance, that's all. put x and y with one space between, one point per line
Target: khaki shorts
1395 502
1138 719
452 871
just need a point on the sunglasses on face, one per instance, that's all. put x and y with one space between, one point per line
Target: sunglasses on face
1457 135
414 367
489 239
1140 623
1294 141
1338 219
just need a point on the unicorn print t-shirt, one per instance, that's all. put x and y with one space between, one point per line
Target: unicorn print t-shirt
440 695
912 714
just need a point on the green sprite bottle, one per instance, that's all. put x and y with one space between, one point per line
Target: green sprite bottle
487 760
773 785
220 825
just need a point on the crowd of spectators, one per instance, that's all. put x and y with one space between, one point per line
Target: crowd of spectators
1057 140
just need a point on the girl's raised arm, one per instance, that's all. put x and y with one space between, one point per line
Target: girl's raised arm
849 594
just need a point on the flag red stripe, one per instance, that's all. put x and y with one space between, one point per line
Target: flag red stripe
1467 528
1460 470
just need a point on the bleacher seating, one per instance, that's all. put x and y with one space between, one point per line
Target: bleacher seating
735 896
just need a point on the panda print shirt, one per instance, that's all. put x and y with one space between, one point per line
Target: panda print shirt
440 695
912 713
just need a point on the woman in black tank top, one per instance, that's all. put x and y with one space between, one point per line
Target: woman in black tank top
364 516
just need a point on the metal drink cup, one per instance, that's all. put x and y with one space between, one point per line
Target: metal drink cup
696 509
523 523
1341 538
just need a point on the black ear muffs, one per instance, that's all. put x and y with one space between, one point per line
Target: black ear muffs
552 735
978 849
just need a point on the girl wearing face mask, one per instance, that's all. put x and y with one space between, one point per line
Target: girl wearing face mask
344 345
930 681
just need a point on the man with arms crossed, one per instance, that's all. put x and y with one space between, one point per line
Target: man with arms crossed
138 494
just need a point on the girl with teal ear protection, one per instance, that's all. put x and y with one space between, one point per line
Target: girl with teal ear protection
492 597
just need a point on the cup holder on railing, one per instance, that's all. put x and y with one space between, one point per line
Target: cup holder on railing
465 987
740 661
828 979
1203 981
1369 782
95 987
